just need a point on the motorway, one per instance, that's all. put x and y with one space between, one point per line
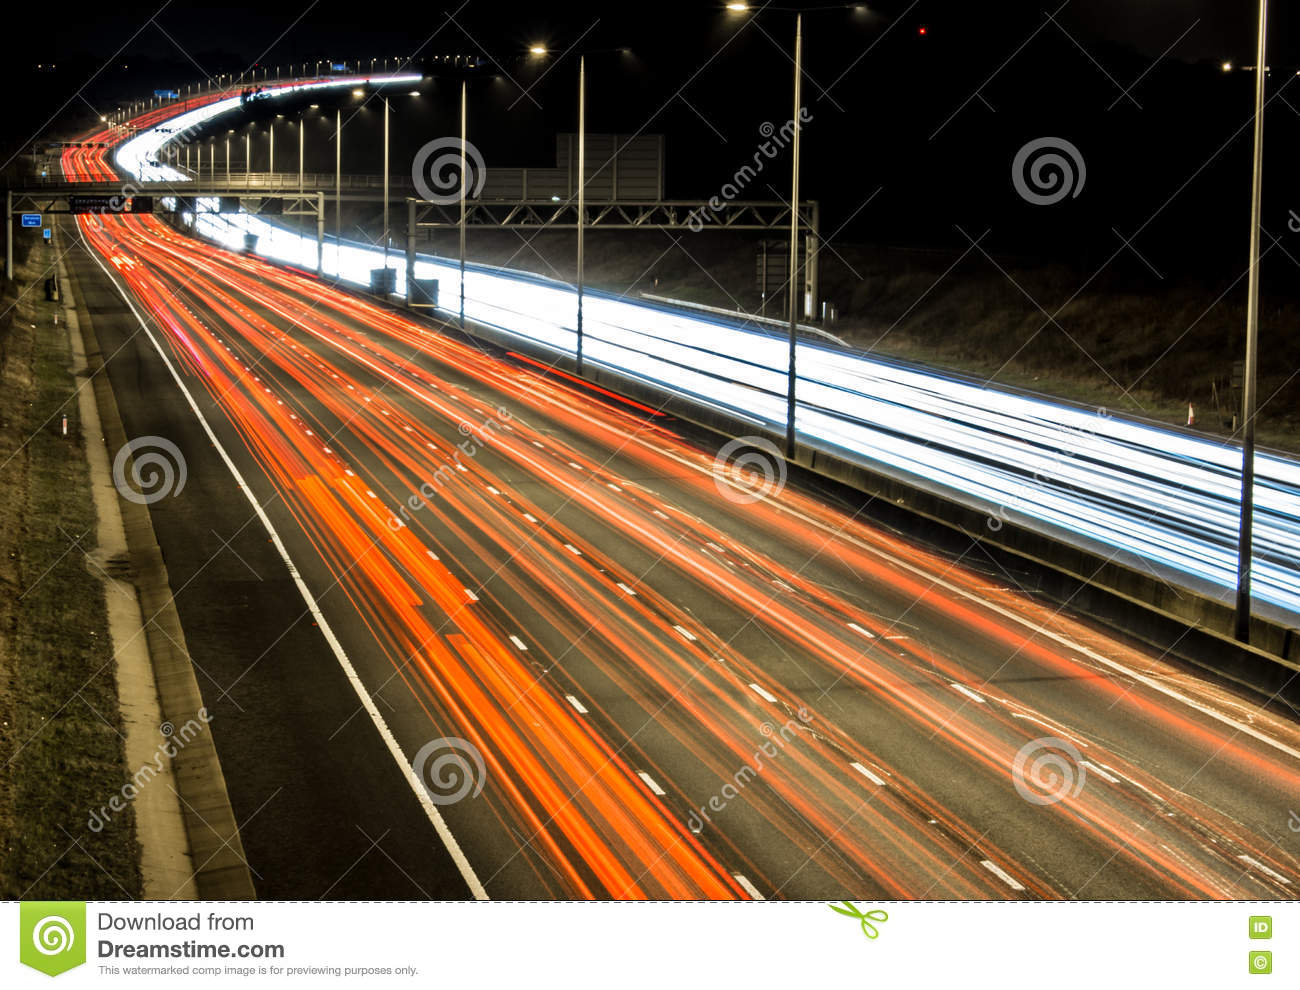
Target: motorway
679 686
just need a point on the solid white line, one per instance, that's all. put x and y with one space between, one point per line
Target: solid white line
857 628
765 695
470 595
1001 874
686 633
404 765
968 692
749 888
867 773
530 517
626 588
1251 861
519 643
650 783
573 550
576 704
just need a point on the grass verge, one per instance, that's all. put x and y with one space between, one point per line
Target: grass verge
62 735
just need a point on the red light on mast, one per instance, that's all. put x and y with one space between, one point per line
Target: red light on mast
922 30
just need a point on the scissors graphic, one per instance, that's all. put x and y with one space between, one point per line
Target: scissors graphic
852 911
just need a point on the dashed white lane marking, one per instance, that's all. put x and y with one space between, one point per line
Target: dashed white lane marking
858 629
519 642
575 465
530 517
1100 772
1001 874
576 704
748 887
573 550
977 698
867 773
494 490
659 514
766 695
896 637
626 589
650 783
470 595
1251 861
432 555
686 633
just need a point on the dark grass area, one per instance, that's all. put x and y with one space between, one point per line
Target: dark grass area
62 738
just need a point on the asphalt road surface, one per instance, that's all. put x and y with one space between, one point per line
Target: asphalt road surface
619 669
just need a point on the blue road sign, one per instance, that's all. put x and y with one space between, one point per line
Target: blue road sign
31 219
47 233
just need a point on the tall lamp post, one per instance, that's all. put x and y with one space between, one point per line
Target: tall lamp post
579 356
1245 540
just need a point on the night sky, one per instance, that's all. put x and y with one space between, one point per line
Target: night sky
912 133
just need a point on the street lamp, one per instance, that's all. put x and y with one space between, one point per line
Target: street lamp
795 293
539 49
1245 540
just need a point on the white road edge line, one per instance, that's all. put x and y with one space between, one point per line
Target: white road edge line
1001 874
404 765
